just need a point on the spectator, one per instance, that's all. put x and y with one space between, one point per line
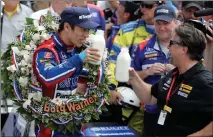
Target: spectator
39 5
184 95
189 8
151 60
13 21
96 12
56 8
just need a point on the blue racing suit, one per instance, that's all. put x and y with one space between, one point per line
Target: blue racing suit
57 68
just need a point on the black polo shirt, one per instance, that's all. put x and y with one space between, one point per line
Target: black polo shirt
191 103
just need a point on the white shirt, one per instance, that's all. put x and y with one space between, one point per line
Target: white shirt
36 15
164 48
13 27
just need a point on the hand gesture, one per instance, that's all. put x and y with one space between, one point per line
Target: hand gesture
156 69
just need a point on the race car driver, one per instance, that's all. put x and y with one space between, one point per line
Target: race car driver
57 64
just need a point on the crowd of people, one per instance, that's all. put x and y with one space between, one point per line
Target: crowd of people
171 52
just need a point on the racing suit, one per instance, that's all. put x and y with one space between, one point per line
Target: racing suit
148 53
110 40
129 36
57 69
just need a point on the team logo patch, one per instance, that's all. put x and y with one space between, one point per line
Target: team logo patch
184 90
151 55
182 94
47 55
186 86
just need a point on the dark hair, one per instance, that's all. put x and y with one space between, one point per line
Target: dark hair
192 38
132 8
132 16
61 26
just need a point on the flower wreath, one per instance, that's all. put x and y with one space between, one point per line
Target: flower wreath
56 114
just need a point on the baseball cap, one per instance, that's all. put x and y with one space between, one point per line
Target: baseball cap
189 4
164 12
78 16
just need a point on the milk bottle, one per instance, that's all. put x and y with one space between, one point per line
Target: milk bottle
122 66
98 41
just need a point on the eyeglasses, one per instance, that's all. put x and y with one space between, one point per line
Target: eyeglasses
172 42
148 6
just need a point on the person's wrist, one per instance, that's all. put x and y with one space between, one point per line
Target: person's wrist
148 72
83 55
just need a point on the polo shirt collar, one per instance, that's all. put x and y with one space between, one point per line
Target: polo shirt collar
190 72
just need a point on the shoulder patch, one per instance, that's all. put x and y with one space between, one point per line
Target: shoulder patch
130 26
48 55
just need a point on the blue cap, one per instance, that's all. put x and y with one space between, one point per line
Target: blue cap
78 16
164 12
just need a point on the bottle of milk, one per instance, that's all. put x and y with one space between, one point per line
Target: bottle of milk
98 41
122 66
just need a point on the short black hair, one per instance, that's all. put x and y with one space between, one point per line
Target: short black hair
132 8
61 26
192 38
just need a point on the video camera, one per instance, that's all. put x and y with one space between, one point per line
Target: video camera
198 24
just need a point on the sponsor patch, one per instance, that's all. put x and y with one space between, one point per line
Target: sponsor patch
43 60
186 86
48 55
151 55
182 94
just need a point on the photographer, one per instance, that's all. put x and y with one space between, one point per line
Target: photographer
207 28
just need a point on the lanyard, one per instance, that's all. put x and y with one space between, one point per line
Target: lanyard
170 93
170 89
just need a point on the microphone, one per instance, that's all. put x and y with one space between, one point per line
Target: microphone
204 12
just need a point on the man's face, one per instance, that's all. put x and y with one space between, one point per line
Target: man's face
164 29
189 13
177 50
148 11
120 15
77 36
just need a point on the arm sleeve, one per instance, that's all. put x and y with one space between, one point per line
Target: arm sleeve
137 59
51 73
156 88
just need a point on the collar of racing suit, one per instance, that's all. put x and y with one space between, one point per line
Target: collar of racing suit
60 43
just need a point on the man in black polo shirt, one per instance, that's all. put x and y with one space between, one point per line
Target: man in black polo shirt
184 95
